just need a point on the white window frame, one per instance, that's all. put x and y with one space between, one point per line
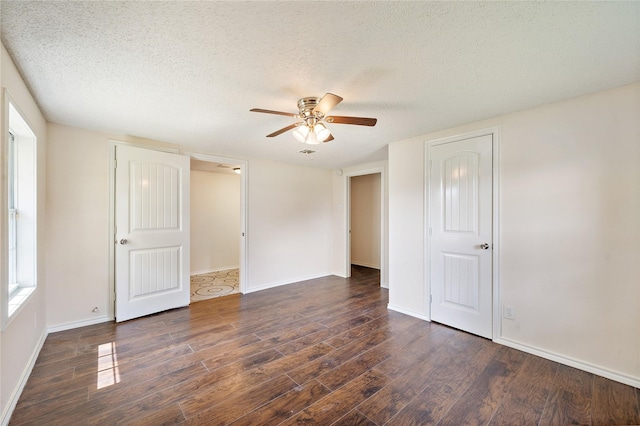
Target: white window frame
12 193
20 214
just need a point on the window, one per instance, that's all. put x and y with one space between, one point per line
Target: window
20 149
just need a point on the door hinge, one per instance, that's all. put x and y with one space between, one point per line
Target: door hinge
430 164
115 163
431 298
430 231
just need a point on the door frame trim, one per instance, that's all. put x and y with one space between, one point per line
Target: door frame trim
113 143
497 295
243 164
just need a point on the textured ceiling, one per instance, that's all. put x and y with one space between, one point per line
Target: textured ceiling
188 72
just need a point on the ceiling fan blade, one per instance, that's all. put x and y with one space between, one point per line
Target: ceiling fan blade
329 139
284 129
326 104
360 121
268 111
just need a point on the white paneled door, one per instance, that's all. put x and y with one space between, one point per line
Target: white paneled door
461 234
152 231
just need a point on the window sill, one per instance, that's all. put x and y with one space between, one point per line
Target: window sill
16 302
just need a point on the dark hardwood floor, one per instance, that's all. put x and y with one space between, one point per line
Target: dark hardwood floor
324 351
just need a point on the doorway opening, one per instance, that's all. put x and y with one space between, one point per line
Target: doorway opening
177 275
217 227
365 222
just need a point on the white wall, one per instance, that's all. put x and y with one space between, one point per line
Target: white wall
22 339
215 221
77 226
290 224
406 228
569 229
365 220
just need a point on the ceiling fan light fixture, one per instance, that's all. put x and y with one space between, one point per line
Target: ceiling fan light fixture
312 138
322 132
301 133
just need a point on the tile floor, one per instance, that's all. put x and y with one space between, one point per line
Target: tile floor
214 284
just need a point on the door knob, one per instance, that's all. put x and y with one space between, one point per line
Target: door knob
123 241
484 246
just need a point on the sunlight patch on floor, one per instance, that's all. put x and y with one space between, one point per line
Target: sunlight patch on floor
108 373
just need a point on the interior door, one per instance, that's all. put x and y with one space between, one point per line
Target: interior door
152 231
461 234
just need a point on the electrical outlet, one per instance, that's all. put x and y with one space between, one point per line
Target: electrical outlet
509 313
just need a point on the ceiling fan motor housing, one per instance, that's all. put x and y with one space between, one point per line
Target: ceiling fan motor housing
306 106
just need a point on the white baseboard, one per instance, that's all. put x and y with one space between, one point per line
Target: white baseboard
15 395
571 362
408 312
216 269
78 324
281 283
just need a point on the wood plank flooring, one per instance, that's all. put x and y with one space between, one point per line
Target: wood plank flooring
325 351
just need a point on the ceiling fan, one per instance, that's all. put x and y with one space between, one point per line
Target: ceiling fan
313 113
